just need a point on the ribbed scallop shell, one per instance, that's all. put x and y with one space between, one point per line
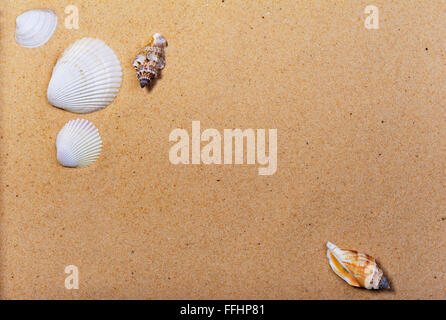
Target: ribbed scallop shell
357 269
86 78
35 27
78 144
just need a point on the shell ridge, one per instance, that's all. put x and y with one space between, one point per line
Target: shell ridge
79 87
86 145
114 77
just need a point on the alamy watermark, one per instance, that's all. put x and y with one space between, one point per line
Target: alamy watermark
72 20
233 139
72 281
372 20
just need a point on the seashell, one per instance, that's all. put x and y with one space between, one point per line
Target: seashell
86 78
151 60
357 269
78 144
35 27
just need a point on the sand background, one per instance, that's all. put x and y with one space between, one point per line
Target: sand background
360 116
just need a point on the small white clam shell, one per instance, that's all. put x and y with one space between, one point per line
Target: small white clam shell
78 144
35 27
86 78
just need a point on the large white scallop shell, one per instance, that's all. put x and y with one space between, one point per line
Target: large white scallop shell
86 78
35 27
78 144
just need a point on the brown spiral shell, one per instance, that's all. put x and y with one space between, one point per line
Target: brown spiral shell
151 60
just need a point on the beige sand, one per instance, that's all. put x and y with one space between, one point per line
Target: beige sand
361 124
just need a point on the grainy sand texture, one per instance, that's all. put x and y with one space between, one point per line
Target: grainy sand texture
360 117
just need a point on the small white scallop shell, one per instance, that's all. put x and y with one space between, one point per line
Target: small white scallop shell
86 78
35 27
78 144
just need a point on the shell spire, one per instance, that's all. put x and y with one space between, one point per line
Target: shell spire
357 269
151 60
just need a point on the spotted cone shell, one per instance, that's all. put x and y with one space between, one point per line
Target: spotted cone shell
357 269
